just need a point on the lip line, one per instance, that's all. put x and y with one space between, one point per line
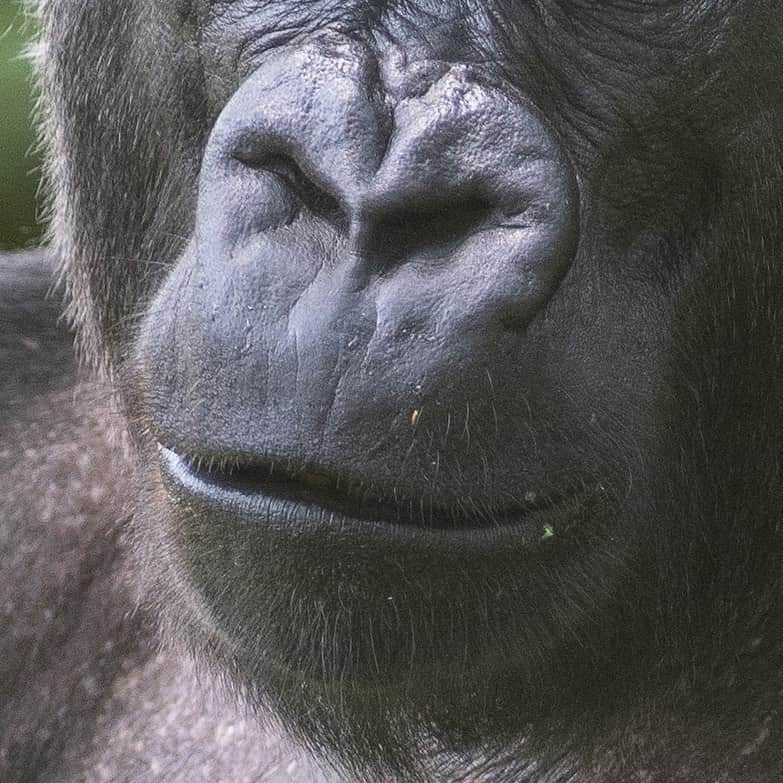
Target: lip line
350 496
532 529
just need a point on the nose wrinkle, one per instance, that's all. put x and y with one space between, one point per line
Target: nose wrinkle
372 145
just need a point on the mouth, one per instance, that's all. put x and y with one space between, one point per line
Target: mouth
280 493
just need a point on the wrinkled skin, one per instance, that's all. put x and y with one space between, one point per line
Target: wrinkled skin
447 337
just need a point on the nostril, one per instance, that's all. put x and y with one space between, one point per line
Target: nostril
313 196
430 228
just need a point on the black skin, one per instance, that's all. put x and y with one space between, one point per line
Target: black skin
446 338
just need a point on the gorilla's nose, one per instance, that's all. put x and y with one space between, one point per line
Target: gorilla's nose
460 178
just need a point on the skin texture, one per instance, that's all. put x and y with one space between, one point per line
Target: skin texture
445 340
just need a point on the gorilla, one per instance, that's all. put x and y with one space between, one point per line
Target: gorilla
434 429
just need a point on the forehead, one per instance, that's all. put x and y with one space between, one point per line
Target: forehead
637 17
536 42
238 30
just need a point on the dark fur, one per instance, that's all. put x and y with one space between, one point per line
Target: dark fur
673 671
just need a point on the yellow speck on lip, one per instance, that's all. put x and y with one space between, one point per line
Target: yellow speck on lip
549 532
415 417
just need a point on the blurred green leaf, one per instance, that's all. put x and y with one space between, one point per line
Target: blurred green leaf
19 169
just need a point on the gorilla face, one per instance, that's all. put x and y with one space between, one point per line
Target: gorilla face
430 322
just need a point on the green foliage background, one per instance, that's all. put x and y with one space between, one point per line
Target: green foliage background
19 168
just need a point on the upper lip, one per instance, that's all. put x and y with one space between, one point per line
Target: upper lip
342 496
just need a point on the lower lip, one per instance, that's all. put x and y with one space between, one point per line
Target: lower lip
533 529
